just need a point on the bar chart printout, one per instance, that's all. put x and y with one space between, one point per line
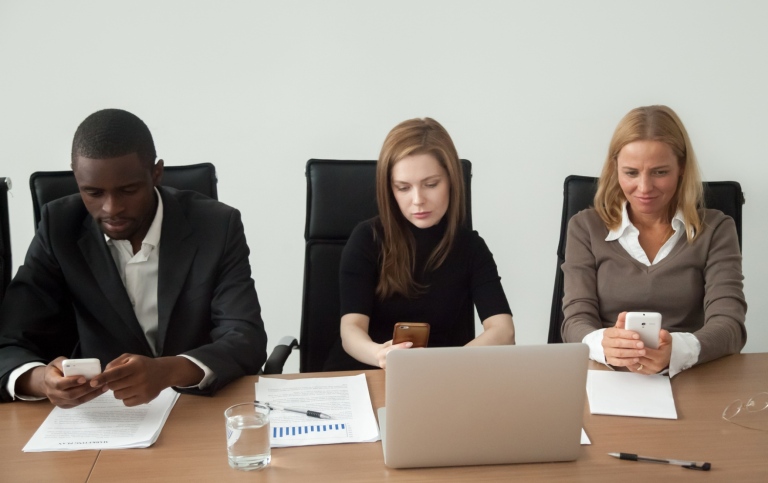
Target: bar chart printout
325 430
345 399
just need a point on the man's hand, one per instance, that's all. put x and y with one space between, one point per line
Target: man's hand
136 379
49 381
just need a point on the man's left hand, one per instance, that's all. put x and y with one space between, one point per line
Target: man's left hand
136 379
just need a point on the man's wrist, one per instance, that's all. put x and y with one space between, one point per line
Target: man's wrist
30 382
183 372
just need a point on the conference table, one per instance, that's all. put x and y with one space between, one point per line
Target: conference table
192 446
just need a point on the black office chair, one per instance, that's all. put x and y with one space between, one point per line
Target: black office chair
340 194
579 194
5 237
51 185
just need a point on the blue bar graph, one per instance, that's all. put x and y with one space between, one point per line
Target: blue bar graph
315 430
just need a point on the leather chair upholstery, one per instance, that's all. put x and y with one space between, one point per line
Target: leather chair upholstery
51 185
5 237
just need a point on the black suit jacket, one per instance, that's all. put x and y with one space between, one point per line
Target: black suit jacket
68 300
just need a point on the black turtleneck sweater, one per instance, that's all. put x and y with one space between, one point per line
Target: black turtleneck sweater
467 276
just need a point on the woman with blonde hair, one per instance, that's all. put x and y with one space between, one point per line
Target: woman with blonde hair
650 245
417 261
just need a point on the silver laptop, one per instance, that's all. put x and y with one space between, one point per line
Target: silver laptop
456 406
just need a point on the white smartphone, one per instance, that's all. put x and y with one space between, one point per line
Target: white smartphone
647 324
81 367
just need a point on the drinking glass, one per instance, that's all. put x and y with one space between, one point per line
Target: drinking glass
248 436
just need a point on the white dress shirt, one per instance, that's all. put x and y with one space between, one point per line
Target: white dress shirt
685 346
139 274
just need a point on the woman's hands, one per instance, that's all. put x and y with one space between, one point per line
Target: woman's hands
358 344
381 354
624 348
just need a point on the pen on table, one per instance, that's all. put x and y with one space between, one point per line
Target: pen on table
310 413
691 465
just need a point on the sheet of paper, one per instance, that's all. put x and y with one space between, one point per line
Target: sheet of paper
584 437
629 394
103 423
345 399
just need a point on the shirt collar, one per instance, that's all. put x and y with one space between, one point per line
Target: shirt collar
678 223
152 237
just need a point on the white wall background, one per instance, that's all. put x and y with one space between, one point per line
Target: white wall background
530 91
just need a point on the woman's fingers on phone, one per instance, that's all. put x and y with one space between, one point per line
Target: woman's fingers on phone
617 343
618 333
629 356
665 337
621 320
621 361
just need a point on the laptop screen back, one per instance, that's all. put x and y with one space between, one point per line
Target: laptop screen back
458 406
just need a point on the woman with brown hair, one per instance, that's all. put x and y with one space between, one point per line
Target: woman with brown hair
416 261
650 245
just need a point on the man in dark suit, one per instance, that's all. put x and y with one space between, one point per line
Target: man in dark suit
152 281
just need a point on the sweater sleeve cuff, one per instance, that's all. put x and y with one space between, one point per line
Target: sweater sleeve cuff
685 352
595 342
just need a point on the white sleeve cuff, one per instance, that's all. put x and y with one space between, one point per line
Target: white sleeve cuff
595 342
15 374
207 378
685 352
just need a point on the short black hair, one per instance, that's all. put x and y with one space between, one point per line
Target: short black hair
111 133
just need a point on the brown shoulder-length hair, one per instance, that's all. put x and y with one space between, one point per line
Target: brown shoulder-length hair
652 123
398 255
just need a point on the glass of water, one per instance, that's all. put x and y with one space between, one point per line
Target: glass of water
248 436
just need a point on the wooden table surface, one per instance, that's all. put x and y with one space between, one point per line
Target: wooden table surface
18 422
192 445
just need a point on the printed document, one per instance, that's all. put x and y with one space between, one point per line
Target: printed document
345 399
103 423
630 394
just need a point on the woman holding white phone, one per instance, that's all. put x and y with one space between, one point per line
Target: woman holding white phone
650 245
417 261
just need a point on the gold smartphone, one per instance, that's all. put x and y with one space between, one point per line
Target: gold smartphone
416 332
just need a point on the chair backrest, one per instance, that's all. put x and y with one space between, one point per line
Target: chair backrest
5 237
579 194
340 194
51 185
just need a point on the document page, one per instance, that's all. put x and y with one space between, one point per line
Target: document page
345 399
630 394
103 423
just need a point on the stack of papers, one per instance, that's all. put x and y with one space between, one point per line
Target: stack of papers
630 394
103 423
345 399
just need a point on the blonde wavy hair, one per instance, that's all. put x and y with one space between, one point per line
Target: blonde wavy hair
652 123
409 138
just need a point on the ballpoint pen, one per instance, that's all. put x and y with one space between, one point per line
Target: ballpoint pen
310 413
691 465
